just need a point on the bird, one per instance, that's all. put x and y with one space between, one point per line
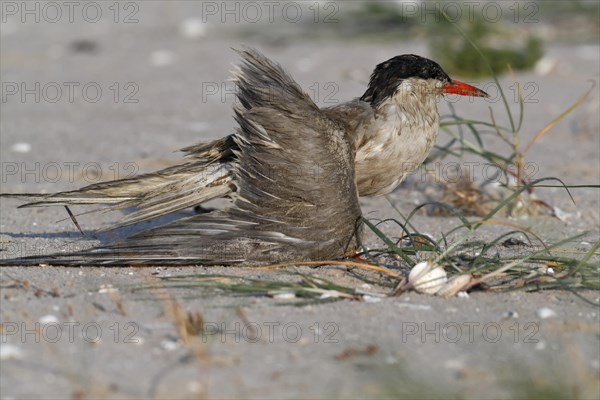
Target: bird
293 172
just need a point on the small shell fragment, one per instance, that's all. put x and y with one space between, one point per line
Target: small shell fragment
454 285
427 277
284 295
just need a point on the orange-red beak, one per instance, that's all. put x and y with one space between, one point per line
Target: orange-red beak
462 89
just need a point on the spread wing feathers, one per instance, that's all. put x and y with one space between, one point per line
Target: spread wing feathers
264 83
295 200
206 176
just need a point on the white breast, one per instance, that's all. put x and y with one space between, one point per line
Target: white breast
399 140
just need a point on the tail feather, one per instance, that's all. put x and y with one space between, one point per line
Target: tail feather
217 238
205 177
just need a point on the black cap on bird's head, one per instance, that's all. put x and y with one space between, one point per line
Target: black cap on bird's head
387 77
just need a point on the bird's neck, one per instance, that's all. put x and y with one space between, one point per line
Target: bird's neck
408 109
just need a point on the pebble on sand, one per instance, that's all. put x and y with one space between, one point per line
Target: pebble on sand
192 28
20 147
161 58
9 351
545 313
48 319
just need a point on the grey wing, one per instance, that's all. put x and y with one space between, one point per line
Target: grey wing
295 196
295 199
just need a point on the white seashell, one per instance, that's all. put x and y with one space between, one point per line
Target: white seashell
454 285
427 277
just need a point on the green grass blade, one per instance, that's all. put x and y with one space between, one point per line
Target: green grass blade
587 256
396 249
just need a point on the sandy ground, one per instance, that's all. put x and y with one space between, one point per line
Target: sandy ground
97 332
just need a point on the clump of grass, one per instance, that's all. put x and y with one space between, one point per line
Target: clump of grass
297 289
494 268
468 138
384 13
500 43
381 20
